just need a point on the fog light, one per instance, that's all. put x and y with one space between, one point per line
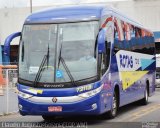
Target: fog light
20 107
94 106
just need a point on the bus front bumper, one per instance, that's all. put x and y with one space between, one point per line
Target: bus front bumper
88 106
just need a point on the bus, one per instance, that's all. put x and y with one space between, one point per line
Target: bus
83 60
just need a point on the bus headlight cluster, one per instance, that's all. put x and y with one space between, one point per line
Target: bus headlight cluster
24 95
91 93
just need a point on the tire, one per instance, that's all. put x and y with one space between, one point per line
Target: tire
144 101
48 118
114 108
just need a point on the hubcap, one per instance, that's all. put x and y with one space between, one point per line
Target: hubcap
114 105
146 95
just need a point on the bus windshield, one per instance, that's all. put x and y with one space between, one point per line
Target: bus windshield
68 50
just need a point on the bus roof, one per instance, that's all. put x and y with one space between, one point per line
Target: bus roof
66 14
77 13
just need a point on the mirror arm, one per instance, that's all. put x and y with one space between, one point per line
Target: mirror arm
7 46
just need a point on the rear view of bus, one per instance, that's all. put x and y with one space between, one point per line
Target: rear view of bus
71 62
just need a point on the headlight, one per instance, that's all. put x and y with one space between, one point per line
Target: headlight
24 95
91 93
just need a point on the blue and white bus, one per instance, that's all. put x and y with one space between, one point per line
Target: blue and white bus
83 60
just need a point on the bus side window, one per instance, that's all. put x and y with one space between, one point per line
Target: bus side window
109 35
116 39
105 58
108 46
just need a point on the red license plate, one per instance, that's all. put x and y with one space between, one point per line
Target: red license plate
55 109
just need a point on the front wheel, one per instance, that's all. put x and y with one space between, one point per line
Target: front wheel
114 109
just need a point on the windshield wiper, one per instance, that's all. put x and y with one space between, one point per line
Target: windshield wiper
38 75
60 59
45 60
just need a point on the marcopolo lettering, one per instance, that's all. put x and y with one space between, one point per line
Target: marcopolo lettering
126 61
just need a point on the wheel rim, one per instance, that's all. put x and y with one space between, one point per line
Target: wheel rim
114 105
146 95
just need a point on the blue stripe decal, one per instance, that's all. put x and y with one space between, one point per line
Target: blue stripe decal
146 62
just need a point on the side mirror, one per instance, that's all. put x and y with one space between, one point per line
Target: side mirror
7 46
101 41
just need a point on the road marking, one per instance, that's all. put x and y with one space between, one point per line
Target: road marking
140 113
143 113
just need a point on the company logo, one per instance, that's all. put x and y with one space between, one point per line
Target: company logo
54 99
126 61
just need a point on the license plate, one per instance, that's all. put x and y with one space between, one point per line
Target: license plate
55 109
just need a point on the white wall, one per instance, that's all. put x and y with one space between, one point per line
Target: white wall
147 12
11 20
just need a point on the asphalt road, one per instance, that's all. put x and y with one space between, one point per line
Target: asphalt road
131 116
